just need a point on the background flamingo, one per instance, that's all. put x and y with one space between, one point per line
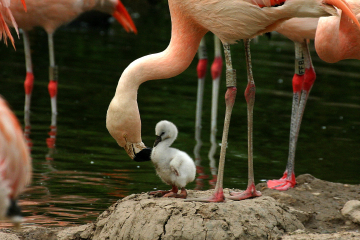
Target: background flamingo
216 69
15 163
50 15
230 21
6 16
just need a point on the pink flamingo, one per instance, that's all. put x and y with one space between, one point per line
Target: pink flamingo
336 39
216 69
229 20
50 15
298 30
6 16
15 163
344 42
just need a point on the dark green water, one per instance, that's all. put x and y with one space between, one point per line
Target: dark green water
89 171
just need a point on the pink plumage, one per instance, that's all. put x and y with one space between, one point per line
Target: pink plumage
15 160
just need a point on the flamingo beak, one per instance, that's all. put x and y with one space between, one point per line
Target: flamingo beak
157 140
344 7
123 17
23 2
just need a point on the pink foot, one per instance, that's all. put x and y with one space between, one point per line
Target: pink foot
283 183
159 193
250 192
218 196
183 194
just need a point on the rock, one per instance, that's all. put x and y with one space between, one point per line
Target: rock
303 217
70 233
282 197
142 217
351 210
8 236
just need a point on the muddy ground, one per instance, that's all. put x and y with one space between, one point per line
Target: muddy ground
312 210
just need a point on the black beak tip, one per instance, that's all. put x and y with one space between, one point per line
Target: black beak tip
14 209
143 155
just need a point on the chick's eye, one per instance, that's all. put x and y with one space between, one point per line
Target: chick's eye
162 133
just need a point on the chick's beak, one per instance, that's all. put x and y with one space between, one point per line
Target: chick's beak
123 17
157 140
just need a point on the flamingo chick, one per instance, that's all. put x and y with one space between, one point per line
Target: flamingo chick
15 164
174 167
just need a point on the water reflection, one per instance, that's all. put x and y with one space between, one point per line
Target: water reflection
88 171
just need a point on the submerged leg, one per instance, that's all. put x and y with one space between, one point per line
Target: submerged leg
250 99
52 87
303 81
216 69
28 85
201 72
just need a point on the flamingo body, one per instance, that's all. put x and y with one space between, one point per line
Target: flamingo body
51 14
15 161
6 18
338 38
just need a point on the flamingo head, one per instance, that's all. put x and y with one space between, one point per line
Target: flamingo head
117 10
123 17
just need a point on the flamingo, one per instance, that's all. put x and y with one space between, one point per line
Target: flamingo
336 39
50 15
229 20
345 38
299 30
174 167
15 163
216 69
6 16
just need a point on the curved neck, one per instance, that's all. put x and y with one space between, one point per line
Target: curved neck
185 39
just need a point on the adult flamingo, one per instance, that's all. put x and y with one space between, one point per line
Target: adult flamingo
15 163
50 15
6 16
229 20
299 30
336 39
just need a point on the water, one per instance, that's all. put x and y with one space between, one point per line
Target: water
88 171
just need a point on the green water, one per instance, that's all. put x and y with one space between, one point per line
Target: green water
88 171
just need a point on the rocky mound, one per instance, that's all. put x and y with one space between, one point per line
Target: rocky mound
314 209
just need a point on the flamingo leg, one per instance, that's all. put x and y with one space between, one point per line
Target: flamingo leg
28 85
216 69
230 96
52 87
250 99
201 72
183 194
303 81
161 193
